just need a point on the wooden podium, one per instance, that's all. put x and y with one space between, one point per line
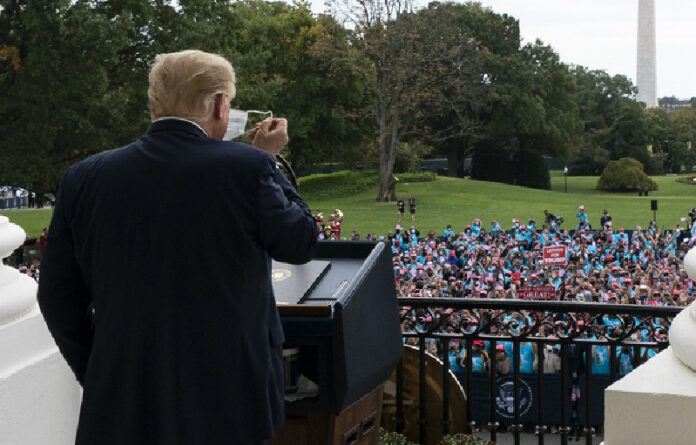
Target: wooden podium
358 424
340 313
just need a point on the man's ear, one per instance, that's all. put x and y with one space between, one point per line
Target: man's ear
219 105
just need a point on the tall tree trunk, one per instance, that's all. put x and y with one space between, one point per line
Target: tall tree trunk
387 157
388 122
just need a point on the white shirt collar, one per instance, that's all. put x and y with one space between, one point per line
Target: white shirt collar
182 119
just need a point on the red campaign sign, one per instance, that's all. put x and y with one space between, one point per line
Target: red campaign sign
555 256
537 293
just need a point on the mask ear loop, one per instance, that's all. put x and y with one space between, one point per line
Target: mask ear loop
260 112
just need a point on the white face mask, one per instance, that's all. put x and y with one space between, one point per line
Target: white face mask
236 125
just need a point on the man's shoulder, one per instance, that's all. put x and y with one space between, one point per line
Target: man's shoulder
82 167
238 151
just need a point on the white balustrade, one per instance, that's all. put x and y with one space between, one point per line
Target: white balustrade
17 291
682 332
650 405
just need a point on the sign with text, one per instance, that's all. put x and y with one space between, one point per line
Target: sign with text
537 293
555 256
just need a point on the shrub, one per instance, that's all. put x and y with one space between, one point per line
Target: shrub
392 438
344 183
463 439
416 177
341 183
624 175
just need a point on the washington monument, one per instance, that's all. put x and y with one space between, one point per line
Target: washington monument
647 59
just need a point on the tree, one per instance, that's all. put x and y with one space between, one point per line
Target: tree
629 135
73 75
294 64
664 140
533 111
388 48
423 74
449 94
57 106
600 98
684 127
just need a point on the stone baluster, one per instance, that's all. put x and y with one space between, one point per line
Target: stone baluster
17 291
682 332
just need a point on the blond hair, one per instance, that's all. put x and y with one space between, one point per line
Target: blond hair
184 84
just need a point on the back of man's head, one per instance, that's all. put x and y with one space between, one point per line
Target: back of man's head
185 83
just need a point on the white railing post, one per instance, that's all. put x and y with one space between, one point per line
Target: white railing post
17 291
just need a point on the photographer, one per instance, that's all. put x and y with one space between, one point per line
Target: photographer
553 221
605 220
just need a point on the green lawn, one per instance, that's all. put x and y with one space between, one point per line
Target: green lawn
33 221
458 201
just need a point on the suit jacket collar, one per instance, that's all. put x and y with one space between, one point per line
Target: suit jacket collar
176 125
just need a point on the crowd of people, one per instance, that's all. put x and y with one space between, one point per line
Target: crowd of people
606 265
643 266
610 265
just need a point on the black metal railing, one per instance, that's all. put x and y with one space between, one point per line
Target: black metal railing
577 329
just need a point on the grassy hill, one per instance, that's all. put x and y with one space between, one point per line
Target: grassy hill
458 201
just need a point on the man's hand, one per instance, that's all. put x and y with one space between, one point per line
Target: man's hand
270 135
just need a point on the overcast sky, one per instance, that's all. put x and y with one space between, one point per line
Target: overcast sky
602 34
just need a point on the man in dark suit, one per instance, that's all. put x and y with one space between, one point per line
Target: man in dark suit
165 312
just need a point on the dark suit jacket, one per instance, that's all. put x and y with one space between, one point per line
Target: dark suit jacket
155 284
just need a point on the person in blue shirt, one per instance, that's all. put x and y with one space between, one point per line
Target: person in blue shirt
601 361
591 249
624 356
620 237
526 234
480 362
526 357
647 353
413 234
531 225
496 230
582 217
456 354
476 227
449 233
398 235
